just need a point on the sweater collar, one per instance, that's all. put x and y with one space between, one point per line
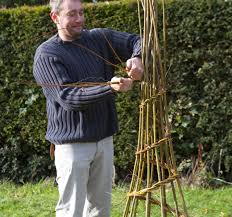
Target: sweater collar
59 39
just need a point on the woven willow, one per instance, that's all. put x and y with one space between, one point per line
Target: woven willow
155 168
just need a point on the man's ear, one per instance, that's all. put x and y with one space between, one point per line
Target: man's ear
54 17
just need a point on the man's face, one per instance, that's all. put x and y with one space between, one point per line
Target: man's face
71 19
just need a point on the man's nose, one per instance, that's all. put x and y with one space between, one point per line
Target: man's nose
78 19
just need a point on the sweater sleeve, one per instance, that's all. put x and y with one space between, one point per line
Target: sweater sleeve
125 45
51 73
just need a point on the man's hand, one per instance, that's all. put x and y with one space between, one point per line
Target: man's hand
135 68
121 84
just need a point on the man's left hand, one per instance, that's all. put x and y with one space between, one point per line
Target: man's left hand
135 68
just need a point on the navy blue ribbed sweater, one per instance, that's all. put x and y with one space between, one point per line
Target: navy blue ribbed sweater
81 114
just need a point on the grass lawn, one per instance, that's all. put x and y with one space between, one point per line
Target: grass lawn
39 200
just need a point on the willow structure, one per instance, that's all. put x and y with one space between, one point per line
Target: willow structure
155 171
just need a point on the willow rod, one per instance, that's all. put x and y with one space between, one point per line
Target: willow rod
154 160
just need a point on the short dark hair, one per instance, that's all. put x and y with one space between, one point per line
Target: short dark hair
55 5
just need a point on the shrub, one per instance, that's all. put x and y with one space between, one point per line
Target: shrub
199 86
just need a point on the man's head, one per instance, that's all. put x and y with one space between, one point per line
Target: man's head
69 18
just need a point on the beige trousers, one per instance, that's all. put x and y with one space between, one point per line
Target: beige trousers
84 177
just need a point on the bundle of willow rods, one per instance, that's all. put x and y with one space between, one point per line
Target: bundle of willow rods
155 167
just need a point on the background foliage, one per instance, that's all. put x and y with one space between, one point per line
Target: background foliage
199 86
15 3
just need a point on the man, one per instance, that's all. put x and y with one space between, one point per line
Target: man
82 120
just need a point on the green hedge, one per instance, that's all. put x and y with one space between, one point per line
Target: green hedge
15 3
200 80
199 86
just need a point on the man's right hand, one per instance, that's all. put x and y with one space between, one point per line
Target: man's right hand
120 84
